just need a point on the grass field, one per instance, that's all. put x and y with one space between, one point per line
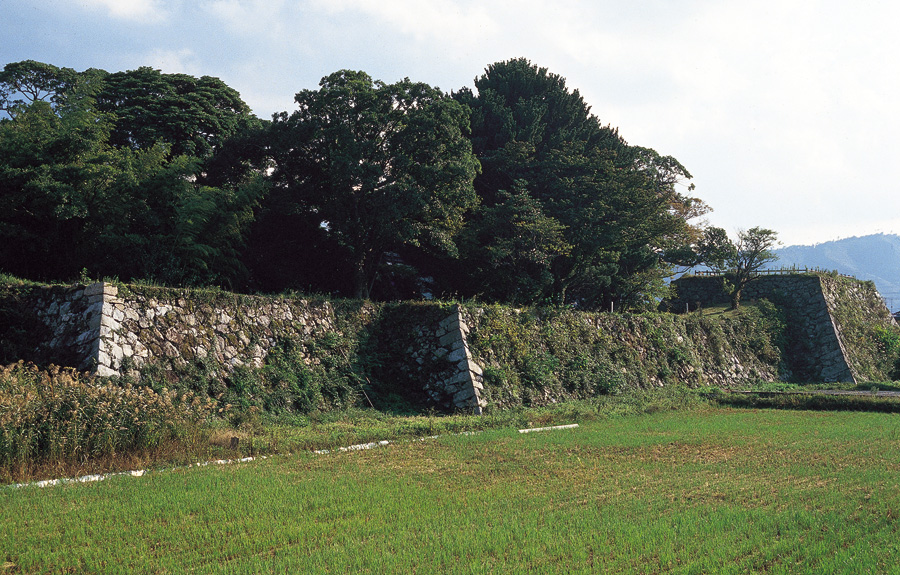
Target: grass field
708 490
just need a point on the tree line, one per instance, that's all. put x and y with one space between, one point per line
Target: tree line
512 192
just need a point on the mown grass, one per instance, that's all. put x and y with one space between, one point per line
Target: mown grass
706 490
326 430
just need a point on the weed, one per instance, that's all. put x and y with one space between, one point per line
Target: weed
59 414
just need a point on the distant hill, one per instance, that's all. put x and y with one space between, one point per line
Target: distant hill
875 257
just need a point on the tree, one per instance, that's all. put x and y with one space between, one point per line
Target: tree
615 206
22 83
70 200
510 247
194 116
379 166
752 252
741 261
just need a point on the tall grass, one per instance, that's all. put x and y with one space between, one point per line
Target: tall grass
59 414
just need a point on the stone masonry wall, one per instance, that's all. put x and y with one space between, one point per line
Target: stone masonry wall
814 304
857 313
540 356
113 329
168 328
71 317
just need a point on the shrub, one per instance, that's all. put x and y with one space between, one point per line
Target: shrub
60 414
888 342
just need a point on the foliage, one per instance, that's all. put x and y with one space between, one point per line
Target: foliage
741 260
190 116
889 345
21 331
539 356
289 381
769 339
72 199
365 191
510 247
380 165
59 414
593 213
22 83
810 401
865 326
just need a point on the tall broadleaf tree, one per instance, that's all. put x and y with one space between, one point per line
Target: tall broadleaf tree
617 206
194 116
376 166
23 83
73 199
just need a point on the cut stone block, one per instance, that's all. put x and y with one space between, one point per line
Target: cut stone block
450 338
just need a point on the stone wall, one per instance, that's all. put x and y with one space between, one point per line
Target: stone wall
548 355
443 362
114 330
858 313
59 324
814 304
140 326
454 357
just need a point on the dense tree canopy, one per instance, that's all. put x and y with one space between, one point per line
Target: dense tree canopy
194 116
72 199
513 191
22 83
380 166
604 212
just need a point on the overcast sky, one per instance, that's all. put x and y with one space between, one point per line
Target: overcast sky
786 112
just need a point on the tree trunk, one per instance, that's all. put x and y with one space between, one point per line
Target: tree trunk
360 280
736 298
365 272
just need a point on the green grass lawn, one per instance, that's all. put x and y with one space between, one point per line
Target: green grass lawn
710 490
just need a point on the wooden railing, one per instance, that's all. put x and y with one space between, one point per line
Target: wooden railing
774 272
771 272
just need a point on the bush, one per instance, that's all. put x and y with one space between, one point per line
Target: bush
888 339
60 414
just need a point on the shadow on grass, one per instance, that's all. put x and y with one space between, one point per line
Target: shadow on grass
812 402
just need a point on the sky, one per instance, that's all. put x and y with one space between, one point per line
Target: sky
785 112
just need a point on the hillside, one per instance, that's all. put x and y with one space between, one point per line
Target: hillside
875 258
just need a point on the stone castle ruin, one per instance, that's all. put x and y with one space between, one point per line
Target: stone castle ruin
115 329
827 312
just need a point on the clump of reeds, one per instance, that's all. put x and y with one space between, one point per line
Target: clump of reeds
60 414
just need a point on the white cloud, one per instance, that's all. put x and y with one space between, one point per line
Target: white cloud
175 62
458 22
135 10
264 19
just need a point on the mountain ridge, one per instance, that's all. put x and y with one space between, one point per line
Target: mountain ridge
874 257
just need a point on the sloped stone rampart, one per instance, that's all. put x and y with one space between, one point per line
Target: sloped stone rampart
439 357
857 312
447 350
818 305
467 384
537 356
